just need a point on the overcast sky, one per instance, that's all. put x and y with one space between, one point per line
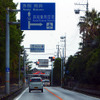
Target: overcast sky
66 23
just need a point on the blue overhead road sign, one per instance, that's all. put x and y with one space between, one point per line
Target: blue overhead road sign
37 48
37 16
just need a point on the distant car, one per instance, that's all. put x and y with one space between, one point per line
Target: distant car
46 82
35 84
43 82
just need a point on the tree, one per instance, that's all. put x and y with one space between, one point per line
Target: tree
93 67
89 27
57 72
16 37
85 65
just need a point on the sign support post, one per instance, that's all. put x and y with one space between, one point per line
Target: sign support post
24 68
52 74
7 53
7 76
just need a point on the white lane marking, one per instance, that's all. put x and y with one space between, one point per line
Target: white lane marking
17 98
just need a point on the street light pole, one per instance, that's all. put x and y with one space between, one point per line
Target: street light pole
63 60
7 76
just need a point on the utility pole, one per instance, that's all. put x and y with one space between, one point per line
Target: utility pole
77 11
87 6
62 68
63 60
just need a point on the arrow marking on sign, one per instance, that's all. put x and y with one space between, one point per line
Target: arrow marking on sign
29 14
34 24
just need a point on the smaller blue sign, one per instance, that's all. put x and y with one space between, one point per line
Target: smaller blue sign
7 69
67 72
37 48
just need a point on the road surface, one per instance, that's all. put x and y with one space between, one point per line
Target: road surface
53 93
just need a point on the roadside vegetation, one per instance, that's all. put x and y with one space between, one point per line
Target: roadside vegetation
57 72
84 66
16 37
83 69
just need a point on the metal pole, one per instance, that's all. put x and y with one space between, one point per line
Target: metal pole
7 78
19 68
52 74
58 51
7 69
87 6
24 70
61 71
57 47
63 68
65 48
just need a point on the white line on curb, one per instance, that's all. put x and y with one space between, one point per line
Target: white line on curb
17 98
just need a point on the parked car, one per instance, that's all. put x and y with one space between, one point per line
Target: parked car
46 82
35 84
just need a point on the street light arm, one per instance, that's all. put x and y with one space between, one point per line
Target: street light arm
14 10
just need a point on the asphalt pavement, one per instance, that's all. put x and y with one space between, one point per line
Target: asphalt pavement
53 93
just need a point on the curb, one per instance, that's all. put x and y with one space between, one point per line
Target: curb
85 91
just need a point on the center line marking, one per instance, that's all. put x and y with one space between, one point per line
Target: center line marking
53 94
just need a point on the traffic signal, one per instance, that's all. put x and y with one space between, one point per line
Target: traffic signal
37 62
52 58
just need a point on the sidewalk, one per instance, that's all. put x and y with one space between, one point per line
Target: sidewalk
13 88
86 91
